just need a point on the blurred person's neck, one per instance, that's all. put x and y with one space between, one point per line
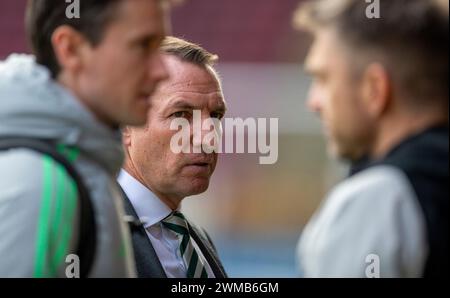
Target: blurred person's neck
396 127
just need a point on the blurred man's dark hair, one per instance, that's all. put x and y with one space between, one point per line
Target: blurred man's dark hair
44 16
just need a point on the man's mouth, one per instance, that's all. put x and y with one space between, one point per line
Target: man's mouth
203 162
200 164
198 169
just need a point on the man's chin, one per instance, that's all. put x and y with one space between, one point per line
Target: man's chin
345 154
333 150
198 186
338 152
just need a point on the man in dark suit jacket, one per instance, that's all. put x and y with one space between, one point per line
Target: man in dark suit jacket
159 173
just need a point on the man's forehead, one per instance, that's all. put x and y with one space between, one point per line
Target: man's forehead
165 99
193 96
186 95
187 82
212 103
189 77
132 10
321 51
191 85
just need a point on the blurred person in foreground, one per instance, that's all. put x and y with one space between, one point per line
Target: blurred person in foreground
156 178
381 89
86 77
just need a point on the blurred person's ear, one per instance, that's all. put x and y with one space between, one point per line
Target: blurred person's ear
68 47
376 90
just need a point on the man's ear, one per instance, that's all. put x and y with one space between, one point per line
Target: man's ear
67 44
376 89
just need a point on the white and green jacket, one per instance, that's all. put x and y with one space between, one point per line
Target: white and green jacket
39 208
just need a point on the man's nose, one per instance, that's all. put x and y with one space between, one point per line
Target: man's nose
315 100
157 69
201 140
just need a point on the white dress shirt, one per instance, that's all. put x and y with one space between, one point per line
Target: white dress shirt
151 210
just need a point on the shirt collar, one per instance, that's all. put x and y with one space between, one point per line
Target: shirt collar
148 206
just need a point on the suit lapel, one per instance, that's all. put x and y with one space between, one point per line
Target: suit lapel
147 261
148 264
208 251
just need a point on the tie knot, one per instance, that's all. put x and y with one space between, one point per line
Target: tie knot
177 223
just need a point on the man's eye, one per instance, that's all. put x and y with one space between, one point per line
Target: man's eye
147 45
216 115
143 44
180 114
154 44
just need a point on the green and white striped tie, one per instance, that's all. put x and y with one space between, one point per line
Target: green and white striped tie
176 222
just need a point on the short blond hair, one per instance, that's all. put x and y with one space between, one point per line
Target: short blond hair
188 51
